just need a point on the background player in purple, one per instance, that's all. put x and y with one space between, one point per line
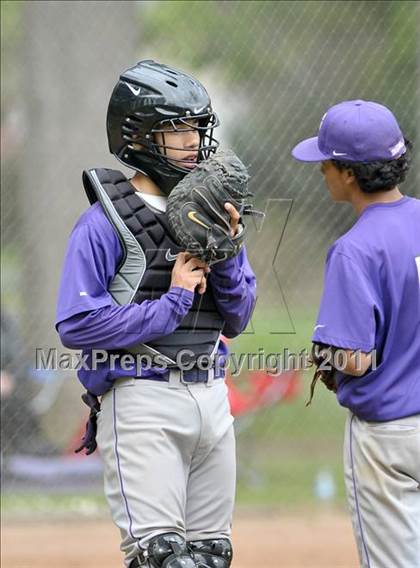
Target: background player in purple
370 313
165 434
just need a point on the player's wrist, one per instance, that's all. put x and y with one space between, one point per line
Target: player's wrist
182 285
179 289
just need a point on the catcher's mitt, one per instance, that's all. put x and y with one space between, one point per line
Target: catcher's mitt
321 357
197 216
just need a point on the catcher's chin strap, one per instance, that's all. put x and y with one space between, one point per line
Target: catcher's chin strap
89 439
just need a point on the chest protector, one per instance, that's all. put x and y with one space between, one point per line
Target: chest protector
144 271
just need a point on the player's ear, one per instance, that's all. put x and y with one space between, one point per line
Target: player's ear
349 177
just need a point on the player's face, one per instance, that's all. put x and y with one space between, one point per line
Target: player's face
181 145
337 181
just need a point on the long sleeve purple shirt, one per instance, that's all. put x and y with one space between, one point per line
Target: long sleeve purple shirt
88 318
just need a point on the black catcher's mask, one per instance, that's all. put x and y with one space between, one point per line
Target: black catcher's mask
149 98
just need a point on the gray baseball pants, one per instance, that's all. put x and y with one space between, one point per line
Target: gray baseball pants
168 451
382 473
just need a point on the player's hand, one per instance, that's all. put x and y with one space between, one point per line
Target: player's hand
189 273
234 218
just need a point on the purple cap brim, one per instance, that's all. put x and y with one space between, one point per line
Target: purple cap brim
308 151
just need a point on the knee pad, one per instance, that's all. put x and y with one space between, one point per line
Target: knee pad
168 550
212 553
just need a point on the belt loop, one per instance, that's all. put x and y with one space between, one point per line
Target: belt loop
174 378
210 377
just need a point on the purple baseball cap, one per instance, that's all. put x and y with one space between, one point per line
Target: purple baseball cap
354 131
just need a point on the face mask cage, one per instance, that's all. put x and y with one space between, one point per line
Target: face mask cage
204 124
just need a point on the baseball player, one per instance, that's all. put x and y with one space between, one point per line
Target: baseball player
368 326
164 430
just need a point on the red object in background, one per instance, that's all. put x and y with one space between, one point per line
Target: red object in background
262 390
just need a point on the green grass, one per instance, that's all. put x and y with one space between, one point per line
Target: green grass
38 505
283 448
288 482
273 333
281 452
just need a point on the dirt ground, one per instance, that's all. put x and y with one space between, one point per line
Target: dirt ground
260 541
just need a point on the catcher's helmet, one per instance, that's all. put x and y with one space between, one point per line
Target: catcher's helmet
151 97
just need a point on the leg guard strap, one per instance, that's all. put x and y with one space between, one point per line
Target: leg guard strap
212 553
167 550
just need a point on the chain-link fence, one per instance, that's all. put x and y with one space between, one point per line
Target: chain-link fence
272 69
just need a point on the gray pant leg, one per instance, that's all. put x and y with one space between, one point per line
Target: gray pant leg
382 474
211 493
147 434
212 478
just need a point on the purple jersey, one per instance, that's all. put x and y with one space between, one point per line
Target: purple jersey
88 317
371 301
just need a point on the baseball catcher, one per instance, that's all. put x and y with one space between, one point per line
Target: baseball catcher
155 272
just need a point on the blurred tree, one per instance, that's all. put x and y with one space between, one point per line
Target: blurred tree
284 53
290 61
69 67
